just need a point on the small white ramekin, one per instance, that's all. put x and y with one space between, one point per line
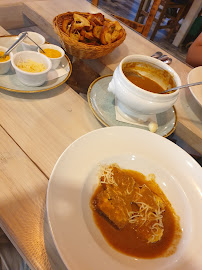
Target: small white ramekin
55 61
5 66
29 78
28 45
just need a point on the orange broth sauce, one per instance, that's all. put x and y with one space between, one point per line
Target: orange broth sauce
128 241
133 75
145 83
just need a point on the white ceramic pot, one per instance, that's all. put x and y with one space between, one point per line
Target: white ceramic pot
5 66
135 101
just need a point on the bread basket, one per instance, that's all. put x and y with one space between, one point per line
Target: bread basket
79 49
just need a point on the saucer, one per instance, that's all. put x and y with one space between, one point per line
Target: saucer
102 104
10 82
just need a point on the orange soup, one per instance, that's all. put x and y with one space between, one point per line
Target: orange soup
134 72
133 214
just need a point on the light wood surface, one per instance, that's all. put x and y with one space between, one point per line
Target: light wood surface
36 128
3 31
44 123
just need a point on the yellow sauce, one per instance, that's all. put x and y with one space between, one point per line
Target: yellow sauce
4 59
51 53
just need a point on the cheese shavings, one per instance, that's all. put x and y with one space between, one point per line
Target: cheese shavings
31 66
151 218
106 175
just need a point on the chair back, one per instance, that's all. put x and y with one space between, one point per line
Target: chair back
139 27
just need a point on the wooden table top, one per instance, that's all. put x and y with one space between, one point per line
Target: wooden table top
36 128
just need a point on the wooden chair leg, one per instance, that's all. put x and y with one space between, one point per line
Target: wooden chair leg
159 22
95 2
151 17
139 10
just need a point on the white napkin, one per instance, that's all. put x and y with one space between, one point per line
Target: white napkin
134 121
56 73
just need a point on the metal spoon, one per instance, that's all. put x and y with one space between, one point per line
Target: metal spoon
168 61
181 86
35 43
157 54
12 47
163 58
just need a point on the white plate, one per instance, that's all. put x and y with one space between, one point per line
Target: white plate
73 180
195 75
10 82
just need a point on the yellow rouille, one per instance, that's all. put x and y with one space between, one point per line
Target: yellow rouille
51 53
4 59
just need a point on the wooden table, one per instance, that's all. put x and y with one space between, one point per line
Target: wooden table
36 128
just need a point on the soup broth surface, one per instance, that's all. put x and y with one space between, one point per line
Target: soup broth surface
148 77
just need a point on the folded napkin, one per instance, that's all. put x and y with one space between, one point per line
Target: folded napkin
150 122
56 73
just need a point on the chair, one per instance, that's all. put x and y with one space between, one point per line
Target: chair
139 27
164 6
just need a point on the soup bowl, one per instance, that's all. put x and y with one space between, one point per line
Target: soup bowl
135 101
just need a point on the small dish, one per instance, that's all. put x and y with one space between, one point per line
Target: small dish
28 45
31 78
195 75
102 104
9 81
5 65
55 61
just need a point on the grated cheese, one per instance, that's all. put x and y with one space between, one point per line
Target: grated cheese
106 175
31 66
150 215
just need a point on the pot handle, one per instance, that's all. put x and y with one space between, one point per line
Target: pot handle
111 86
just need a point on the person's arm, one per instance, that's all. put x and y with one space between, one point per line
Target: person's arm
194 55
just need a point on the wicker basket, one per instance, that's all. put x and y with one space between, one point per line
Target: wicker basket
79 49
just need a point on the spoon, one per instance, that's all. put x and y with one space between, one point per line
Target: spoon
35 43
163 58
181 86
157 54
15 44
168 61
